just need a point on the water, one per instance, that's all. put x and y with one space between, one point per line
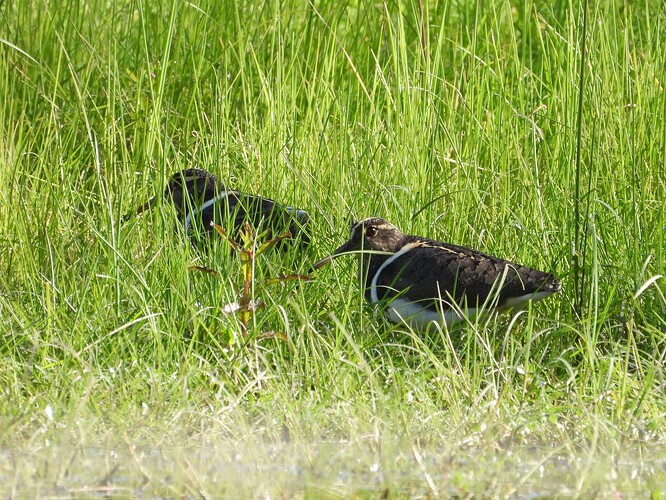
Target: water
208 468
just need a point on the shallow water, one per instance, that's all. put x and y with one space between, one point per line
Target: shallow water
217 469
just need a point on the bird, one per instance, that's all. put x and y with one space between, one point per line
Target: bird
201 200
422 281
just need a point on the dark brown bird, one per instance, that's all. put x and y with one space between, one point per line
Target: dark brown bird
422 281
201 200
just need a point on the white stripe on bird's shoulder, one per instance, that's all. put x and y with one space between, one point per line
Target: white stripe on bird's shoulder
374 297
442 247
212 201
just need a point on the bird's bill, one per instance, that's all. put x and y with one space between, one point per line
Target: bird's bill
347 247
323 262
146 206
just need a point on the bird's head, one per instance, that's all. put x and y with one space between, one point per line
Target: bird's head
371 235
190 186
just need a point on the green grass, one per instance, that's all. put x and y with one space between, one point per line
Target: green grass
462 121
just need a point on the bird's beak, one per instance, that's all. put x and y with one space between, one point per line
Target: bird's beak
146 206
346 247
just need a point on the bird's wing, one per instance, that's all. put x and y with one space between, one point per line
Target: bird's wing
430 270
259 212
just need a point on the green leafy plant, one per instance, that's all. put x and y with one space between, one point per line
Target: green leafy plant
249 248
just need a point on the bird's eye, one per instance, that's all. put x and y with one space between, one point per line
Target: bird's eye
371 231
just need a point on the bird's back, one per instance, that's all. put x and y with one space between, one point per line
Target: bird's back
429 269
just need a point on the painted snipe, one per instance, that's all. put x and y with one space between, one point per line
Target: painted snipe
200 199
421 281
